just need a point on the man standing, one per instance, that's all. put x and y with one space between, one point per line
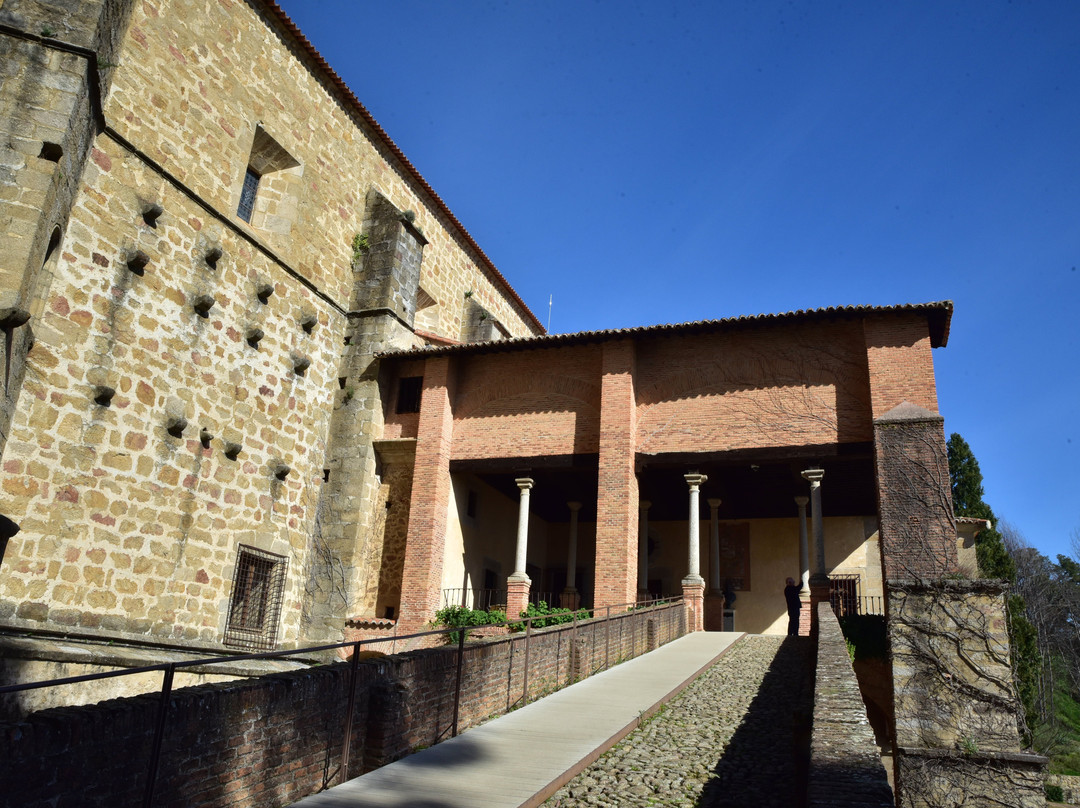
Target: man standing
791 595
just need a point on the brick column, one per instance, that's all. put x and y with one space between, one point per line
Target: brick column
421 579
693 584
617 491
518 584
918 530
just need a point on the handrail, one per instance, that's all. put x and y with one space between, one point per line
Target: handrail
612 612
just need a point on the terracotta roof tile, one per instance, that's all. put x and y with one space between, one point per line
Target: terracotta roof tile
938 314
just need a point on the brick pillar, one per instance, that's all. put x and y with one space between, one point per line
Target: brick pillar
617 491
918 530
421 580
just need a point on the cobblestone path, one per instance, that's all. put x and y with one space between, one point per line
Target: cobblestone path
737 736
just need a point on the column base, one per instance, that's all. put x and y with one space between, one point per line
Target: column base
819 592
693 589
517 595
805 612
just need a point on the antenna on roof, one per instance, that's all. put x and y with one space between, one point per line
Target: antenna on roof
550 299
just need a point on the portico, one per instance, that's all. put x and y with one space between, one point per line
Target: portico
590 467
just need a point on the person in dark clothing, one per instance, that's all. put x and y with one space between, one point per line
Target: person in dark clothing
794 605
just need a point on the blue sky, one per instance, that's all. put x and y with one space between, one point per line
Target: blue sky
650 162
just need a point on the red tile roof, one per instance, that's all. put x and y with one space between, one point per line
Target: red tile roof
275 11
938 315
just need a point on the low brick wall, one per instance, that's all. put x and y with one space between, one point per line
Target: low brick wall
845 764
270 741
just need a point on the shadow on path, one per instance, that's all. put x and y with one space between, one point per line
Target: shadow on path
767 759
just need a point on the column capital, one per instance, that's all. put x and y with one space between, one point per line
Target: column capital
802 501
813 476
644 504
695 480
715 502
524 483
574 506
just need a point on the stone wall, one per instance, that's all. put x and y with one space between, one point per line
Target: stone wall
1070 786
270 741
957 716
196 379
845 763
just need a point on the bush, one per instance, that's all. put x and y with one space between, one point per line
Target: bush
463 617
1054 793
866 633
547 616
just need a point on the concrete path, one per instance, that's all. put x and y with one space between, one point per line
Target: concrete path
522 758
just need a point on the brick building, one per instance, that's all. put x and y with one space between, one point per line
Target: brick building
261 388
258 384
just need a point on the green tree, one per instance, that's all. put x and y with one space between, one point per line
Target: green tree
967 493
994 560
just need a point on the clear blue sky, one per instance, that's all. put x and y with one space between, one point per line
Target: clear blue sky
664 162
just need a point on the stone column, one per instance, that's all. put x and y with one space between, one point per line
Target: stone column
819 579
804 570
643 549
714 545
804 548
570 598
517 585
693 584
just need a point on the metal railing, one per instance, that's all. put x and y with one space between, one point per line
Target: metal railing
487 599
169 669
858 604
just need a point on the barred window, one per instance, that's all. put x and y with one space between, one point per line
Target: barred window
258 585
247 194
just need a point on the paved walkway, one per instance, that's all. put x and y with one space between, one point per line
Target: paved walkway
522 758
737 736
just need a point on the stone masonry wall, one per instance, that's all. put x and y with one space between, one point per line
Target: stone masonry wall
270 741
127 526
170 332
845 764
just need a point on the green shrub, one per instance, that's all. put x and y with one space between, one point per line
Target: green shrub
866 632
1054 793
464 617
547 616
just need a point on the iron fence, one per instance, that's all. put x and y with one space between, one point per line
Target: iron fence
487 599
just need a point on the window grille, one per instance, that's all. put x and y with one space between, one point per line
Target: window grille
247 194
844 594
409 392
258 585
